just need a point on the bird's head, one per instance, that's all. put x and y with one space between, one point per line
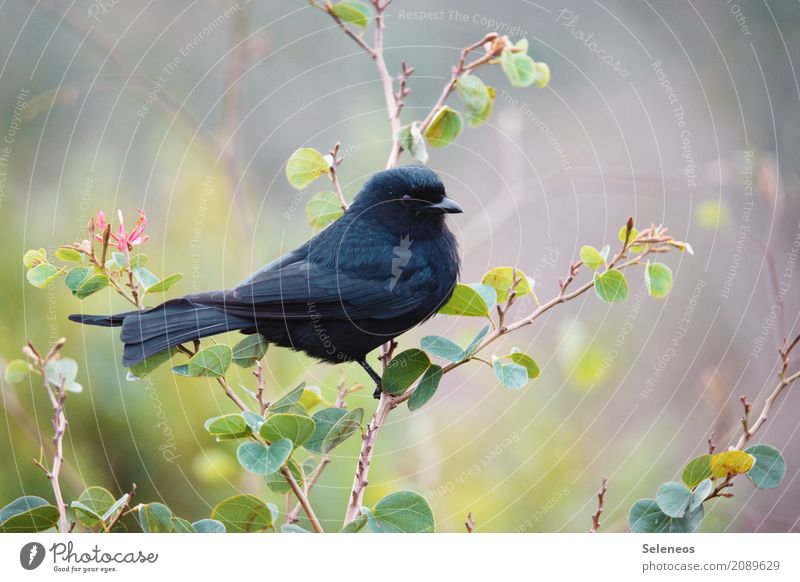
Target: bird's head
405 198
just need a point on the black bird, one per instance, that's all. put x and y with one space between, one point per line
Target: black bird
388 264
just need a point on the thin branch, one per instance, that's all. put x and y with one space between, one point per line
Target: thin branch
122 510
301 496
470 523
259 374
601 497
335 161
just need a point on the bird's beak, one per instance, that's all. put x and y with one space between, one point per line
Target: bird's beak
446 206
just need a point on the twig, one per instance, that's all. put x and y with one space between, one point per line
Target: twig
470 523
259 374
301 496
122 510
711 446
601 495
335 161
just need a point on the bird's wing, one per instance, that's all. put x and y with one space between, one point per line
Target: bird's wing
299 289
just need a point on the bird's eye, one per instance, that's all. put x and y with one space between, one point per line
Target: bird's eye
406 200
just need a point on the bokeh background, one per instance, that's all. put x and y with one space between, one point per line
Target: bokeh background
683 113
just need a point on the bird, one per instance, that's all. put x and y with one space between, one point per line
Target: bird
386 265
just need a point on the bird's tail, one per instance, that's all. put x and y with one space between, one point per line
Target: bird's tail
177 321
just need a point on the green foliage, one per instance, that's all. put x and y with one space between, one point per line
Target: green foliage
658 278
165 284
91 285
673 499
243 514
251 349
68 255
445 127
343 429
227 426
17 371
477 98
63 370
611 286
290 402
697 470
28 514
143 368
42 275
700 493
34 257
593 258
443 348
646 517
294 427
253 457
305 166
465 301
404 369
211 362
769 468
155 518
277 483
92 504
402 512
145 278
426 388
353 12
323 208
510 375
277 454
75 277
501 279
525 361
411 139
208 526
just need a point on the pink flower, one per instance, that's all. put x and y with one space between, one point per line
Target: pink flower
125 242
100 225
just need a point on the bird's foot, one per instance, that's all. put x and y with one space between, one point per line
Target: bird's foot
375 377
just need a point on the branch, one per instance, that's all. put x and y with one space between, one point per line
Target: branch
600 500
301 496
470 523
335 161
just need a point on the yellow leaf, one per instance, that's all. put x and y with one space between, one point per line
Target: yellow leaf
731 462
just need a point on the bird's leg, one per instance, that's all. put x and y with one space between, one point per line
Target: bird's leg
375 377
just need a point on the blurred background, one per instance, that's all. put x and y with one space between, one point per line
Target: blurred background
682 113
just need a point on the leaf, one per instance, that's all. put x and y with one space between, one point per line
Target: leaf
277 483
28 514
138 260
411 139
634 234
75 277
294 427
443 348
731 463
487 292
91 284
288 403
510 375
444 128
211 362
146 278
165 284
353 12
311 397
769 468
180 525
472 347
42 275
646 517
542 74
426 388
324 420
143 368
344 428
525 361
323 208
696 471
277 454
473 93
228 425
477 118
253 420
208 526
253 457
611 286
519 68
673 499
118 260
69 255
292 528
304 166
658 278
403 370
592 258
465 301
243 514
700 493
92 504
17 371
155 518
402 512
34 257
63 370
357 524
502 278
115 507
251 349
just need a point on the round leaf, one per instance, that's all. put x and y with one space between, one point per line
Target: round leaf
510 375
304 166
277 454
248 351
443 348
697 470
731 463
28 514
253 457
228 425
42 275
646 517
592 258
473 93
208 526
212 361
477 118
611 286
278 484
344 428
17 371
404 369
324 420
673 499
91 285
519 68
658 278
769 468
465 301
294 427
143 368
402 512
542 74
411 139
75 277
67 254
502 279
444 128
322 209
155 518
700 493
165 284
525 361
243 514
353 12
92 504
426 388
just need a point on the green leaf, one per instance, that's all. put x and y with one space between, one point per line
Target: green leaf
251 349
212 361
487 292
634 234
356 525
411 139
69 255
471 348
700 493
477 118
146 278
243 514
312 396
90 285
324 420
510 375
646 517
253 457
731 463
404 369
75 277
658 278
277 454
143 368
592 258
28 514
696 471
253 420
473 93
353 12
293 528
304 166
294 427
17 371
34 257
165 284
502 279
426 388
63 370
208 526
289 402
228 425
673 499
402 512
525 361
465 301
444 128
443 348
519 68
180 525
115 507
322 209
345 427
611 286
155 518
118 260
769 468
277 483
92 504
542 74
42 275
138 260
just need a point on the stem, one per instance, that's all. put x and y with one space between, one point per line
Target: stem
301 496
601 497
